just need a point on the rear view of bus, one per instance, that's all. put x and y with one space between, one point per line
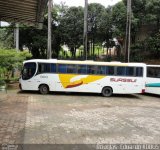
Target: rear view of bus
153 79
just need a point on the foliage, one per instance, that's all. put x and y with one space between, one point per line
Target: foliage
35 40
71 28
11 59
153 9
119 19
153 44
6 38
96 25
103 25
149 48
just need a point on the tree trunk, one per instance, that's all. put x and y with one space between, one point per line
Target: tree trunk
107 51
12 75
158 24
74 52
93 49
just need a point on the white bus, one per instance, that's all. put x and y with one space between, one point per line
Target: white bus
83 76
153 79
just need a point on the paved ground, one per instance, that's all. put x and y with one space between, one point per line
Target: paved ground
65 118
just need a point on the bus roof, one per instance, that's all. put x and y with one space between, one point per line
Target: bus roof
83 62
153 65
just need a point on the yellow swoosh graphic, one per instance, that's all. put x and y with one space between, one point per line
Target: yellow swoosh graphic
65 79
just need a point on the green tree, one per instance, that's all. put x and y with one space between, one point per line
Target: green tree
153 9
7 37
10 59
146 13
119 19
96 24
106 28
36 40
71 28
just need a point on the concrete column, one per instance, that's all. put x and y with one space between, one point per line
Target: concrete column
85 37
128 32
17 37
49 56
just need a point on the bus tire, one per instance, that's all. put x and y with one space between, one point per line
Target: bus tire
107 91
44 89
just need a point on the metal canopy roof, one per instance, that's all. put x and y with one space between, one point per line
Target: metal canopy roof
23 11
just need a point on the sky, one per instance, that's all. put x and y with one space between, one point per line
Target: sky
4 23
81 2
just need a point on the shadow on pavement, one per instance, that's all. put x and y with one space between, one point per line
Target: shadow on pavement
152 95
133 96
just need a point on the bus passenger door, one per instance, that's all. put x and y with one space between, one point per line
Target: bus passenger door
28 72
29 84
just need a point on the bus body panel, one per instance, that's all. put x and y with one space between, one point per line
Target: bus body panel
153 79
121 85
28 85
153 86
85 82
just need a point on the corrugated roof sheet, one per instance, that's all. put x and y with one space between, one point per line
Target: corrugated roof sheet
23 11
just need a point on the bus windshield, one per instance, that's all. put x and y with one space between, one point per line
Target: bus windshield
28 71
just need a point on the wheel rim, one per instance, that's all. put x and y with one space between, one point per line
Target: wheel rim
107 91
44 90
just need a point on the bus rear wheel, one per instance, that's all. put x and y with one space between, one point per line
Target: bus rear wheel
107 91
44 89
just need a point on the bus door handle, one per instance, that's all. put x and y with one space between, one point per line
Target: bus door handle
38 81
29 81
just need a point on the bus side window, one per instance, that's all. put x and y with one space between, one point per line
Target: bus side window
91 69
153 72
53 68
44 67
158 72
101 70
82 69
71 69
121 71
139 72
150 72
62 68
129 71
109 70
39 68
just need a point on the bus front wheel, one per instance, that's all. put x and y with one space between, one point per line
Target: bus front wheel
107 91
44 89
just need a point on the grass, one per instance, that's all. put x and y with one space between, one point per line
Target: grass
79 52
